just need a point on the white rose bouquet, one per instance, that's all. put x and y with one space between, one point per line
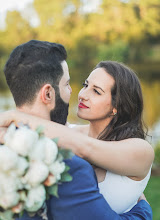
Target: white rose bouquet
31 167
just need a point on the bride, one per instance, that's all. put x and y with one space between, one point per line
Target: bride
113 142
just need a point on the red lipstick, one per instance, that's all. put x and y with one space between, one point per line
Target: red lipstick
81 105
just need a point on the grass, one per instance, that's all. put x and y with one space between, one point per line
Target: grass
152 193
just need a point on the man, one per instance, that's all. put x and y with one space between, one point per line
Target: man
38 77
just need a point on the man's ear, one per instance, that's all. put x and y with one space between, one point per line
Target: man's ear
48 94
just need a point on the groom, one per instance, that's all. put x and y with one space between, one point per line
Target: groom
38 77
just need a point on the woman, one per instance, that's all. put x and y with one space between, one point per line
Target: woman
111 100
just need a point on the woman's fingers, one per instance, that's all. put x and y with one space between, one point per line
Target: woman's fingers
142 197
2 134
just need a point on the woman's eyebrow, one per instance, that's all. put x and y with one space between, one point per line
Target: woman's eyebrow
95 86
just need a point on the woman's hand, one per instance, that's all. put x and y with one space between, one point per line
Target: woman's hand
7 117
13 116
142 197
2 134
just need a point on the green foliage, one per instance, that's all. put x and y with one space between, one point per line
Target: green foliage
40 130
55 140
3 58
118 51
66 177
157 154
53 190
67 168
152 194
118 30
66 154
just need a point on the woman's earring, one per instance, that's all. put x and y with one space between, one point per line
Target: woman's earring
115 113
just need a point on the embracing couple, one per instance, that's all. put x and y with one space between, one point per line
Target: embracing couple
112 162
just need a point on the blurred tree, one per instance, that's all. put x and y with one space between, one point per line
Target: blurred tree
17 32
3 57
151 97
127 31
118 51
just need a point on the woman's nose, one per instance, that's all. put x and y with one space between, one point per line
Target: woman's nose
83 94
70 88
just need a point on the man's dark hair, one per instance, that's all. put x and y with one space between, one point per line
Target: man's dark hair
127 99
30 66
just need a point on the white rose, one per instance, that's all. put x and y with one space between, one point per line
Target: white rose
22 141
8 183
9 134
8 200
45 150
51 151
14 176
57 168
38 152
8 158
22 165
36 174
35 198
25 185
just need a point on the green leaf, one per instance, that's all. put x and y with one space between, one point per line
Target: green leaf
55 140
66 177
66 168
53 190
67 154
47 195
21 214
59 157
40 130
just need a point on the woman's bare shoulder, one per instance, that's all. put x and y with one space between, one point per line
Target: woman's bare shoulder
141 149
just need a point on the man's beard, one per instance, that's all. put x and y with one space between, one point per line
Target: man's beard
60 112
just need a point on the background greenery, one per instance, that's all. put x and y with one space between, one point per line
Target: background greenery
152 193
124 30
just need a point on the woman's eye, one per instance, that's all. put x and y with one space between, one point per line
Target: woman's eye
84 85
96 92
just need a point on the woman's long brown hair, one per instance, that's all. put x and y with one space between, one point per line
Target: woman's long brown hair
127 99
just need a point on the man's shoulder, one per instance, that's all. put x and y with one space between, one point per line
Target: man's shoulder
77 163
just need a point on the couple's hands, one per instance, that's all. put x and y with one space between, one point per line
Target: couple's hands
2 134
142 197
17 117
6 118
13 116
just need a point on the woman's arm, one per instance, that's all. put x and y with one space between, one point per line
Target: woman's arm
130 157
84 129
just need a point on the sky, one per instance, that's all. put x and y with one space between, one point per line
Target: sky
13 4
20 5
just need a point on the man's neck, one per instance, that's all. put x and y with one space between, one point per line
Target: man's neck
35 110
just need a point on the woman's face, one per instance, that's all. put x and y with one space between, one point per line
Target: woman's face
95 100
